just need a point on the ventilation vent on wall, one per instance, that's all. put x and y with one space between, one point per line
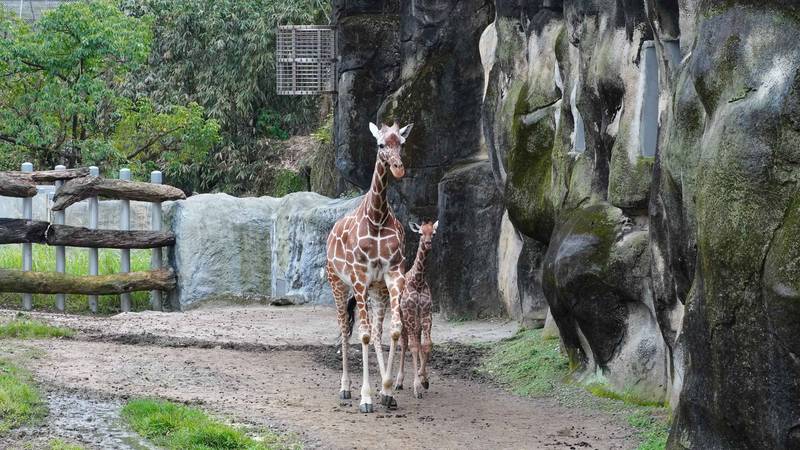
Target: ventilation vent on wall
306 59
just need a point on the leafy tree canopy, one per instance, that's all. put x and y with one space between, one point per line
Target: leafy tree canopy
64 96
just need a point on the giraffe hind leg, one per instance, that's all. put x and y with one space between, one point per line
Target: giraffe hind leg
340 291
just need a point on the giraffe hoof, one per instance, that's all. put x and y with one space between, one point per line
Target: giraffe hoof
398 387
344 395
388 401
418 394
365 407
425 384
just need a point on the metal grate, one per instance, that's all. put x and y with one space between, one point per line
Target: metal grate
306 59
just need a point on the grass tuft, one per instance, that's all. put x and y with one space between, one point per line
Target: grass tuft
603 390
20 402
527 363
174 426
652 430
58 444
24 328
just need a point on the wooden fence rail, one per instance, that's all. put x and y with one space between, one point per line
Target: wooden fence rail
62 283
72 186
19 231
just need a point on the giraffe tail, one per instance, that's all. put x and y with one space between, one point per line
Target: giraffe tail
351 314
351 320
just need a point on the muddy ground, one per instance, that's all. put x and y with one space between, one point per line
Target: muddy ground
277 368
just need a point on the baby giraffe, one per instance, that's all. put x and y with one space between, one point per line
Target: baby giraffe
415 311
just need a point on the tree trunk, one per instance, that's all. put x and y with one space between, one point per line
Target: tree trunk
48 176
18 231
78 189
60 283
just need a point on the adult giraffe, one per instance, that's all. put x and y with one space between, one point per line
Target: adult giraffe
365 255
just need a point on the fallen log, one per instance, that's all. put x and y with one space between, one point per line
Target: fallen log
18 231
12 186
49 176
79 189
60 283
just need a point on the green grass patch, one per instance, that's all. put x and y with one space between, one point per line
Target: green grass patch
653 429
58 444
24 328
44 260
527 363
174 426
603 390
20 402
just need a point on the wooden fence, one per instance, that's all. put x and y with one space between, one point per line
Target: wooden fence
71 186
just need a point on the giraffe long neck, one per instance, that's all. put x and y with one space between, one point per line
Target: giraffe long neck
377 206
418 269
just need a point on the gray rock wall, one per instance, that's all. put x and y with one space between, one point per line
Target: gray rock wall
231 249
644 160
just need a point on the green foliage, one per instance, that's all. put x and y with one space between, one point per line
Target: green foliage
529 364
286 182
20 402
269 124
44 259
179 427
26 328
221 55
324 134
653 430
62 95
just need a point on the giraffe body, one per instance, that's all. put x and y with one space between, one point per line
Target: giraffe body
365 257
416 312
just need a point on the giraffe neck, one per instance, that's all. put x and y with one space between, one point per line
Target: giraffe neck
418 269
377 206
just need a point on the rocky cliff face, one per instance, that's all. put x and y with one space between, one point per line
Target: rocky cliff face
634 163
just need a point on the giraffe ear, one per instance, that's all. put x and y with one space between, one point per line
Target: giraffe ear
405 131
374 130
414 227
435 226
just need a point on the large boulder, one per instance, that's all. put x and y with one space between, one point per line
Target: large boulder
519 276
742 318
595 273
463 276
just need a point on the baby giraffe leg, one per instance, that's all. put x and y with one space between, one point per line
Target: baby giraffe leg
398 383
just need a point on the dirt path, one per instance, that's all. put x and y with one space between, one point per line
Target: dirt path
280 385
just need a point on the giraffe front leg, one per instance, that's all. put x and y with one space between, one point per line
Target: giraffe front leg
377 299
415 358
395 281
365 406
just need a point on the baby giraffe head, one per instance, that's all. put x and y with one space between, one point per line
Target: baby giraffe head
426 231
390 143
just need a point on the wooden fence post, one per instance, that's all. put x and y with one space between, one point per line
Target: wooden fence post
125 254
61 256
27 249
155 256
94 215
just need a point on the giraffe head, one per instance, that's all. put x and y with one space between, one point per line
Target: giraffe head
426 231
390 143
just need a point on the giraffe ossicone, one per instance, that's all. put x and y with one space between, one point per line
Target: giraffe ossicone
365 257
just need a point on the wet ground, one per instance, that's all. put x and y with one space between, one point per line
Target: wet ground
277 368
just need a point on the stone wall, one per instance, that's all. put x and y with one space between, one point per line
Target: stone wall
231 249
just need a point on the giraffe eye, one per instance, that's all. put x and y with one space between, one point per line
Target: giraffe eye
381 145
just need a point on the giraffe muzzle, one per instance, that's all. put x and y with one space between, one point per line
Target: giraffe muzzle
398 171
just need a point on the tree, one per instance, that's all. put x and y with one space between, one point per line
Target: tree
63 96
221 54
